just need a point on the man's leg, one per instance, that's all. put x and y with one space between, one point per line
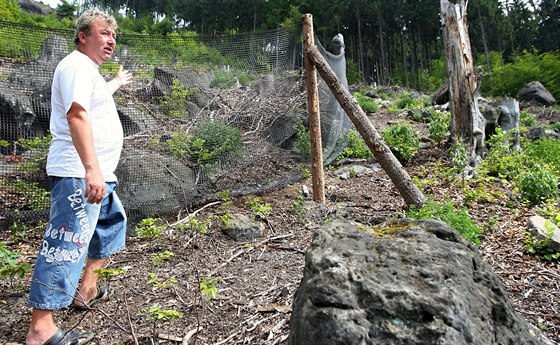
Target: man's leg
88 287
42 327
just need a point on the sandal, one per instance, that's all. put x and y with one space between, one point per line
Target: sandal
102 294
73 337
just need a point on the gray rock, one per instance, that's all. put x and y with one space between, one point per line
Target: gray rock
405 282
544 230
536 92
242 228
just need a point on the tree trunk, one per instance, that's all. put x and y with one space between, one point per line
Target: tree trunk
467 123
402 181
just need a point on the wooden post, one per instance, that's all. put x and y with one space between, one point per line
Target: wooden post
398 175
317 174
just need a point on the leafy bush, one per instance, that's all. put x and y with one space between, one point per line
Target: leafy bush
367 104
175 103
458 219
406 101
402 140
10 266
302 146
147 228
546 152
439 125
458 155
538 185
214 140
526 119
502 160
356 148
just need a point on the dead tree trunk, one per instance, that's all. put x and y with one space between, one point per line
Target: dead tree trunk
398 175
467 123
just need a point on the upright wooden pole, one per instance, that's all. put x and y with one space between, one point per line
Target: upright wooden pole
317 174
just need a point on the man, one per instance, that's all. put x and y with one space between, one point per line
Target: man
87 218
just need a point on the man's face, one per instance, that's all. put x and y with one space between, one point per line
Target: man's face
100 43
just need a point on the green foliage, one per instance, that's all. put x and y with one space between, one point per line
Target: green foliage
526 119
537 185
545 152
439 125
158 258
367 104
161 316
406 101
445 211
550 210
431 78
39 147
458 155
502 160
509 78
10 266
297 207
147 228
353 73
227 80
260 210
402 140
160 283
208 286
37 197
211 141
109 273
174 104
302 146
356 148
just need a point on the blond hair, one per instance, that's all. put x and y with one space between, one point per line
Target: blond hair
87 18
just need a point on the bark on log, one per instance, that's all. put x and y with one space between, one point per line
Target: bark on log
467 123
398 175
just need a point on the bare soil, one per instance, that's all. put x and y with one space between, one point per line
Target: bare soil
258 280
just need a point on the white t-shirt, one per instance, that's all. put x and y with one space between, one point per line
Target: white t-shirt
77 79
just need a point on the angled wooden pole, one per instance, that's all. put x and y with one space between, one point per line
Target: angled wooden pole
382 153
317 174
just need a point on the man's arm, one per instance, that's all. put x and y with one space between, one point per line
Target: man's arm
82 137
122 78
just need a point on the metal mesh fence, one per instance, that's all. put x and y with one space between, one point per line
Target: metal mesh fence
204 115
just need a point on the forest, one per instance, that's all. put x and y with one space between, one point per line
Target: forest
386 42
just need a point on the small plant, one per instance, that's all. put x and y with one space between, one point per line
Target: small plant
199 227
402 140
208 286
302 146
458 155
147 228
161 316
215 140
10 265
39 146
160 284
158 258
537 185
526 119
367 104
458 219
109 274
260 210
439 125
175 103
502 160
226 198
297 207
37 197
305 172
356 148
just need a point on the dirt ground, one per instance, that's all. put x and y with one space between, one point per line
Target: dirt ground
258 280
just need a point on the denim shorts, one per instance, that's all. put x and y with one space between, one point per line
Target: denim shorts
76 229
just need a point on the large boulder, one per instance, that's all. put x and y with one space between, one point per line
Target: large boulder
403 282
536 92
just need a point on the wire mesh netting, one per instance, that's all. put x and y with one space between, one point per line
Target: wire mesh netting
204 115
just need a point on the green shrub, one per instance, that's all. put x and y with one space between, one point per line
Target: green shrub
367 104
402 140
502 160
546 152
302 146
445 211
175 103
213 140
458 155
537 185
356 148
526 119
148 228
10 266
439 125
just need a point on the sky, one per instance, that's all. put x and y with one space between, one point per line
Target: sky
51 3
